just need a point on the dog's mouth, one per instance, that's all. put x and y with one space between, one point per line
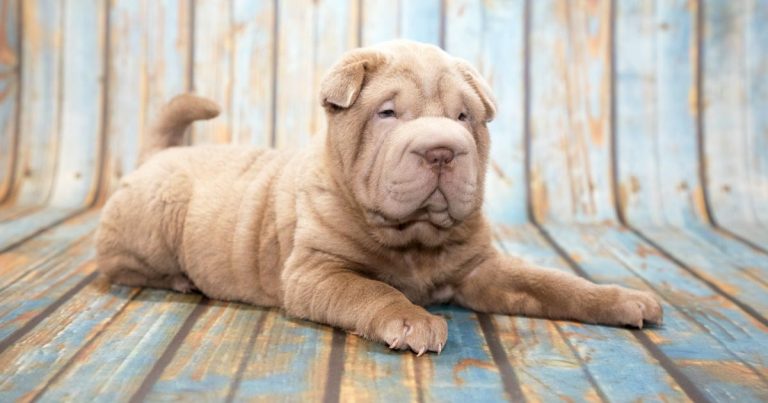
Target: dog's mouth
440 220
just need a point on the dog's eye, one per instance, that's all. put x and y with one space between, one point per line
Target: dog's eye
463 117
386 113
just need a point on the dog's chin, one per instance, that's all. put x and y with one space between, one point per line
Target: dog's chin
415 233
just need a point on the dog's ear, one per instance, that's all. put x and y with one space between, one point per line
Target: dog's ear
481 87
342 84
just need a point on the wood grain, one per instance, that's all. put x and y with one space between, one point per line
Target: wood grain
9 90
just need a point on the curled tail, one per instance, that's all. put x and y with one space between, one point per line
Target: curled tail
175 117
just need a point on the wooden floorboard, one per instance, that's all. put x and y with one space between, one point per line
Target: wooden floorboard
703 331
597 347
67 334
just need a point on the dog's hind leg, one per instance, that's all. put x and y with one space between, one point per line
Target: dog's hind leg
131 271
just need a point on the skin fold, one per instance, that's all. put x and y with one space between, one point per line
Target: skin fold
376 219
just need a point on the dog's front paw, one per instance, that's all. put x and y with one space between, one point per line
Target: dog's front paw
632 307
418 330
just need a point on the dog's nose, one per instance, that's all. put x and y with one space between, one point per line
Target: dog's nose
439 156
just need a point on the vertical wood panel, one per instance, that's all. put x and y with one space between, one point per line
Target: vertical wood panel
656 112
657 148
41 85
82 75
490 36
381 21
335 33
149 64
757 75
735 97
570 110
9 90
212 66
295 63
421 20
253 75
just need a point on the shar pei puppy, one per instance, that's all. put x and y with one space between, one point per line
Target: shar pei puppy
378 218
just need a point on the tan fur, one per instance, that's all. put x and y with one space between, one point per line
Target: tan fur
358 231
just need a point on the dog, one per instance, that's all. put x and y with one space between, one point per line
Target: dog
379 217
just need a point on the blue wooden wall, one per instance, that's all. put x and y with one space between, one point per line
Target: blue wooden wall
631 146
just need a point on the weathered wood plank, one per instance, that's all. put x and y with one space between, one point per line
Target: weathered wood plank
212 67
9 90
335 33
32 221
465 369
40 288
16 262
40 95
211 357
288 361
253 75
702 331
490 35
150 54
295 65
735 65
40 354
82 98
595 347
422 20
114 365
570 110
657 150
380 21
757 71
60 157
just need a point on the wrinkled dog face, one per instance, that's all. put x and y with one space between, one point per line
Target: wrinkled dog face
408 126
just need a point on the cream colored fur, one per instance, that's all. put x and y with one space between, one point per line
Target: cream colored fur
378 218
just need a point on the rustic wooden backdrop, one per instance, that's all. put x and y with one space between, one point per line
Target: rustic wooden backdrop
631 145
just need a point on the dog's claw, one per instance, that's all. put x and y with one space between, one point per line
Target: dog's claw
422 351
439 348
394 343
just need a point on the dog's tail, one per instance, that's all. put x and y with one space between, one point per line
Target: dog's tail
175 117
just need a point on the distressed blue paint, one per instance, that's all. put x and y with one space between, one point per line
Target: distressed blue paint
464 370
289 359
212 67
41 287
734 95
208 359
701 331
26 225
381 21
37 357
9 87
421 20
77 170
596 346
20 260
657 150
714 343
124 353
569 111
757 124
295 61
336 28
489 34
253 82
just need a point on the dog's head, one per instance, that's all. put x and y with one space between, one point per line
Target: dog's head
407 135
